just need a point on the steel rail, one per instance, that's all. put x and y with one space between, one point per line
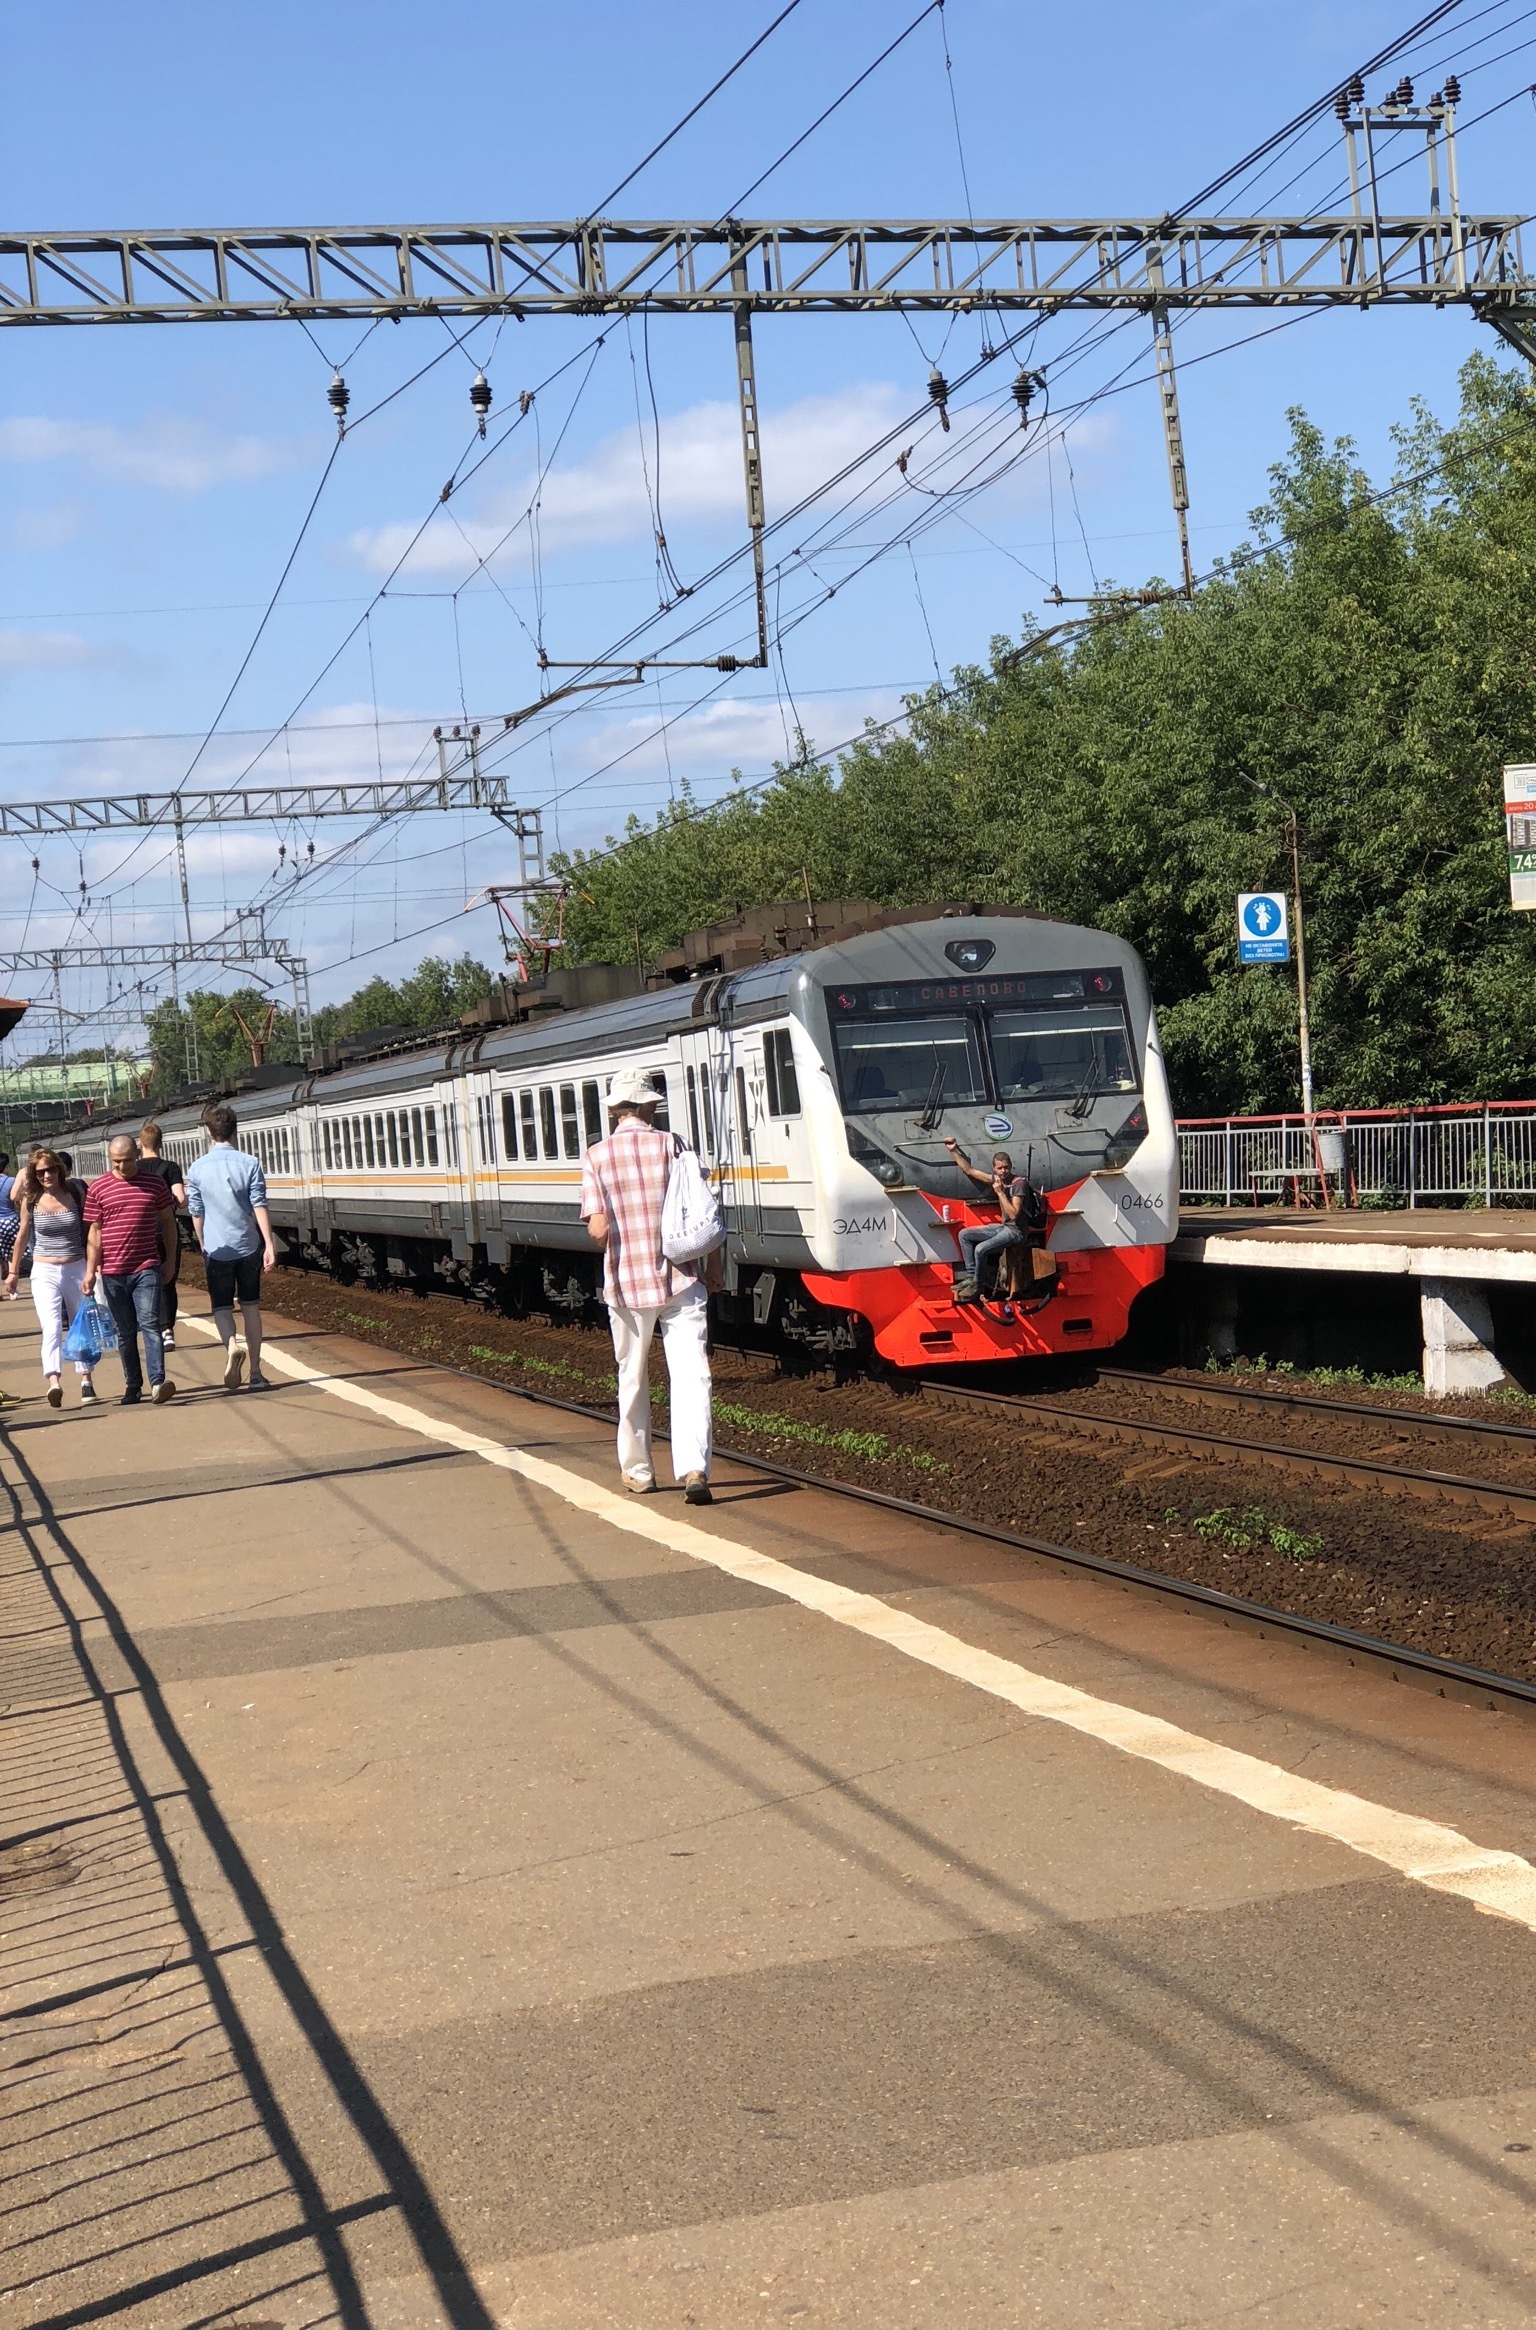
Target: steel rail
1356 1471
1217 1390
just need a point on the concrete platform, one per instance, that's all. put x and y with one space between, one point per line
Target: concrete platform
1455 1257
439 1892
1497 1244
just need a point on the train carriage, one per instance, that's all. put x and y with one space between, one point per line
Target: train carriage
819 1089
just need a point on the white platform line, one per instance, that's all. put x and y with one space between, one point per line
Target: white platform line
1423 1850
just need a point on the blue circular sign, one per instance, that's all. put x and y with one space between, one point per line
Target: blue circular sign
998 1127
1262 918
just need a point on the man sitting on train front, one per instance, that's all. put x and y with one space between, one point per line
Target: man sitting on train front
623 1189
1023 1214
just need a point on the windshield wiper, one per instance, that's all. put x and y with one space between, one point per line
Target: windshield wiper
1081 1104
933 1107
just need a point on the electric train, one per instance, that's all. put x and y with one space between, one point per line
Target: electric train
818 1087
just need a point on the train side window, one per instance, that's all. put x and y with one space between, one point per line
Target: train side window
706 1095
779 1069
451 1130
743 1120
591 1112
691 1083
393 1132
418 1145
547 1120
405 1138
344 1136
368 1141
290 1149
432 1156
378 1137
530 1126
509 1124
570 1122
325 1141
663 1118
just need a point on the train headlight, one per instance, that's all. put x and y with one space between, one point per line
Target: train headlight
864 1152
970 954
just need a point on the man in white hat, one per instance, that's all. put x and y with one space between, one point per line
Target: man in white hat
623 1189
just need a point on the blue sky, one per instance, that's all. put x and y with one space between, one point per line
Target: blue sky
154 478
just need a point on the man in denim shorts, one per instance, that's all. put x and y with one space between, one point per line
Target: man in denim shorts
227 1199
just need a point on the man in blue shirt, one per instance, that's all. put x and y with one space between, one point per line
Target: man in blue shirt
227 1199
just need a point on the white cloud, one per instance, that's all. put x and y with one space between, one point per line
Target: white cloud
47 529
747 735
175 455
603 498
51 651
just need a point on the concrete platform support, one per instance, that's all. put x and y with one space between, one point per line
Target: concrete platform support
1458 1338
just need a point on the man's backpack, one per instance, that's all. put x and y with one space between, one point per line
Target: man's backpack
692 1224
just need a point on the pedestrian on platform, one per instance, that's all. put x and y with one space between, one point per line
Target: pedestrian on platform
623 1189
50 1223
152 1159
9 1218
227 1199
131 1248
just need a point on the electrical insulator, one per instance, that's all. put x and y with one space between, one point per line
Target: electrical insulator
338 397
1405 91
480 399
1452 90
1023 392
1341 105
1356 90
938 390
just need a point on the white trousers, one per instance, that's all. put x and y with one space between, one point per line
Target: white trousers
56 1297
684 1325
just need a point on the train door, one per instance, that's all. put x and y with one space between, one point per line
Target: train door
742 1100
480 1134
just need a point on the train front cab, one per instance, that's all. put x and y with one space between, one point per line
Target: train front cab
1020 1060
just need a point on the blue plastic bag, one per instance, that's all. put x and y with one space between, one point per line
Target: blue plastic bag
91 1333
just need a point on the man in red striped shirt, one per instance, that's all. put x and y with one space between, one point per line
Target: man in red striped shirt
623 1189
131 1223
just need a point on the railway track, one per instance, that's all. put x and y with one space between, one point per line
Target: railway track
1448 1678
1494 1497
1219 1392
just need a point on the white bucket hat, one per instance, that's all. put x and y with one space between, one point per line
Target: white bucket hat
633 1088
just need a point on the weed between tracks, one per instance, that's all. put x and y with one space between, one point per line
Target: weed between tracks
1248 1527
873 1447
1325 1378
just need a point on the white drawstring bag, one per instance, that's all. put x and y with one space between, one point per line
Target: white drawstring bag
692 1224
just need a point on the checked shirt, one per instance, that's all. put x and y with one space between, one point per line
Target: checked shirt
625 1177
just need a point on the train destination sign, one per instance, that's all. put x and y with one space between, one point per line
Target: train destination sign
1520 834
1263 927
1007 987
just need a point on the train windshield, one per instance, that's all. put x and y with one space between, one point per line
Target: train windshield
1061 1055
907 1062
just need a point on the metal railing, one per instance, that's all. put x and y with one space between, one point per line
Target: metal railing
1478 1153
